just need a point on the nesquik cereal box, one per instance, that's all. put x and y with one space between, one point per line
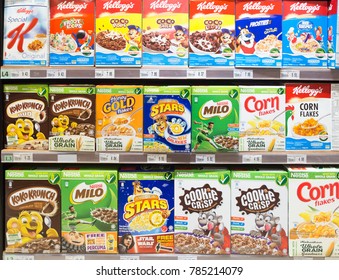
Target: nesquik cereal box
332 34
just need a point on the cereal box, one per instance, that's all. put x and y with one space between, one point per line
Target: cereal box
119 116
72 32
212 33
165 33
332 34
202 211
305 34
258 31
215 114
25 32
262 118
167 119
146 204
89 210
335 115
72 118
26 116
32 210
259 212
314 211
308 117
118 33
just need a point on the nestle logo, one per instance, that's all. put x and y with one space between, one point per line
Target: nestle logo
211 6
163 4
71 6
117 5
307 90
258 7
304 7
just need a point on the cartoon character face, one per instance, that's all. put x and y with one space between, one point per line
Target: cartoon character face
30 224
133 33
64 121
226 38
246 37
24 129
137 188
75 238
179 35
208 220
161 123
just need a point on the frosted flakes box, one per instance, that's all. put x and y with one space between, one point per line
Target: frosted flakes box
25 32
258 32
313 211
212 33
259 211
305 34
332 34
308 117
118 33
262 118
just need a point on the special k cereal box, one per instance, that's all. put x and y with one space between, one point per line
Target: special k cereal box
308 117
212 33
313 211
165 33
305 34
25 32
118 33
119 118
262 118
258 31
72 33
332 34
259 211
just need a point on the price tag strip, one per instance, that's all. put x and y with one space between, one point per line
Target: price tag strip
108 158
243 74
205 158
105 74
74 257
22 157
289 74
13 257
67 158
196 73
297 159
129 258
14 73
149 73
156 158
252 159
56 73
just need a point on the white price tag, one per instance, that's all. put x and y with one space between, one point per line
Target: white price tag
243 74
289 74
75 257
12 257
205 158
56 73
196 74
18 74
105 74
67 158
23 157
149 73
252 158
297 159
156 158
129 258
8 158
187 258
109 158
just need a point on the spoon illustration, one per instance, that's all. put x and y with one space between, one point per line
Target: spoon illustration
48 221
317 123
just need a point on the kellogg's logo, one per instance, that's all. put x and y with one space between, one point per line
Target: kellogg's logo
212 109
304 7
25 11
211 6
118 5
71 6
163 4
307 90
258 7
93 192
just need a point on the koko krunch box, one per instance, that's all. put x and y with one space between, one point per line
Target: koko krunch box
25 32
119 118
146 204
167 119
215 119
32 210
72 118
118 33
314 211
202 211
89 210
72 32
26 116
212 33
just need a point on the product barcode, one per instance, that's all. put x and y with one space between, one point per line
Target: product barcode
196 74
205 158
296 158
242 74
154 158
146 73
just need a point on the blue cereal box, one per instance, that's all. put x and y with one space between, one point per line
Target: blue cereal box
332 33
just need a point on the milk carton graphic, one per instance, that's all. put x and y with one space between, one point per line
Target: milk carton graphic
332 33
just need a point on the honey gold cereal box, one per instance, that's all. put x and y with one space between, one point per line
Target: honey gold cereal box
119 118
72 32
146 210
308 117
332 34
313 211
89 210
259 211
167 119
305 34
118 33
262 118
212 33
165 33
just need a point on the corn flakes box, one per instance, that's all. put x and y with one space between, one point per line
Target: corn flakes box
119 118
146 204
313 211
167 119
262 118
212 33
258 32
89 219
72 32
332 34
335 115
118 33
165 33
259 211
305 34
215 114
25 32
308 117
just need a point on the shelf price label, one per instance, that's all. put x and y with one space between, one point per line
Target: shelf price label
108 158
156 158
297 159
243 74
56 73
289 74
149 73
129 258
67 158
8 158
74 257
14 73
13 257
105 74
187 258
23 157
205 158
252 159
196 74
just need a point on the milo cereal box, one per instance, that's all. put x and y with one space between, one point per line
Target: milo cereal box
89 210
167 119
119 118
215 119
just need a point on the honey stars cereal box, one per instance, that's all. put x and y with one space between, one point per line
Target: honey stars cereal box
119 118
72 32
259 212
165 33
262 118
313 211
308 117
332 34
118 33
167 119
258 32
305 34
212 33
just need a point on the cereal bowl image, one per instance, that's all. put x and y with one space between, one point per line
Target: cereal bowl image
226 142
105 219
155 42
63 43
111 40
37 43
304 45
269 45
205 42
309 127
